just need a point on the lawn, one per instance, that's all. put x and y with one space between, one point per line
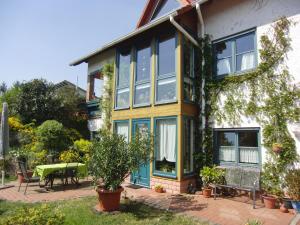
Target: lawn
80 211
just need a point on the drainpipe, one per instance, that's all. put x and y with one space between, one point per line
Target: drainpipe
182 30
202 35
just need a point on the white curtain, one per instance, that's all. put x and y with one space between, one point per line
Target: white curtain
122 129
249 155
227 153
224 66
248 61
167 140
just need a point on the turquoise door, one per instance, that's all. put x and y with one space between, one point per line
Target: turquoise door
142 176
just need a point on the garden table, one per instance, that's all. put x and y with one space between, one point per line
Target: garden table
43 171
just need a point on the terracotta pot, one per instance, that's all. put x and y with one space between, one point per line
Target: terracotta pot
109 200
21 177
283 208
206 192
277 149
269 201
159 190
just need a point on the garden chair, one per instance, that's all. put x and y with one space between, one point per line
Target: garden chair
27 179
60 174
72 172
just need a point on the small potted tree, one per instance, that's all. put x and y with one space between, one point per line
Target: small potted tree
292 181
159 188
112 160
277 147
210 175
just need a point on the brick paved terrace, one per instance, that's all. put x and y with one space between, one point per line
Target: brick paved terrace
221 211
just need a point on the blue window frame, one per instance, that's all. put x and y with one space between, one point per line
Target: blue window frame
165 154
121 127
123 80
142 80
238 147
235 54
166 81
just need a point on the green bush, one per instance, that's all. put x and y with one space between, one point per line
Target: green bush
211 175
112 158
52 136
292 181
42 214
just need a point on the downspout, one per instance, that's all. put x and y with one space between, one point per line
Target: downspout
202 35
182 30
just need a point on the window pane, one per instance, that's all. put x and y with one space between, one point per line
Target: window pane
124 69
245 43
123 98
122 129
226 139
227 154
224 66
166 89
165 159
164 7
142 94
188 90
248 139
188 146
249 155
143 64
166 56
245 61
187 59
223 49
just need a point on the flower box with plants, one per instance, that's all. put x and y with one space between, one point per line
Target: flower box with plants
159 188
112 160
210 175
292 180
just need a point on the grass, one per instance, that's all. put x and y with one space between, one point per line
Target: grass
80 211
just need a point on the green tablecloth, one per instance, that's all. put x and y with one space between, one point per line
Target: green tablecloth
44 170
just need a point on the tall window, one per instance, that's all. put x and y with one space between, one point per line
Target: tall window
142 83
165 150
166 75
188 145
122 128
239 147
123 84
235 54
188 70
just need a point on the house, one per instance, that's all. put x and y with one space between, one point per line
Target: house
157 86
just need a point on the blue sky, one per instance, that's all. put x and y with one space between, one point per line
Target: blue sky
39 38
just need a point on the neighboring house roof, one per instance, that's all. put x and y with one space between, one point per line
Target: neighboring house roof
66 83
186 5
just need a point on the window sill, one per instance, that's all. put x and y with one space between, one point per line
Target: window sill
165 102
241 73
124 108
142 105
232 164
166 175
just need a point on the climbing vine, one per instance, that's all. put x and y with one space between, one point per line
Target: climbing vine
266 94
106 102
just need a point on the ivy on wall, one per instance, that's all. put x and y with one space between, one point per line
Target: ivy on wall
106 103
266 94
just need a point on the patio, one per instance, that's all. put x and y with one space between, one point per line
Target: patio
220 211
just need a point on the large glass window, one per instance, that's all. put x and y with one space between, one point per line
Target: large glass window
142 76
188 145
236 54
238 146
164 7
122 128
166 75
123 78
165 149
188 70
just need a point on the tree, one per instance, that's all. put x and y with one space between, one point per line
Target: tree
3 88
11 96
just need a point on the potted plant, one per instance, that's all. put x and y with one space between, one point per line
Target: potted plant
277 147
210 175
271 185
112 160
292 180
159 188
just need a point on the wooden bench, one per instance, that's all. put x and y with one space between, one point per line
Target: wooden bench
245 179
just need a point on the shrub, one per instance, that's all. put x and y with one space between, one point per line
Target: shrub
36 215
292 181
112 158
52 136
211 175
69 156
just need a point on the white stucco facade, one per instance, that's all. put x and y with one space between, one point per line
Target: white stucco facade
228 17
